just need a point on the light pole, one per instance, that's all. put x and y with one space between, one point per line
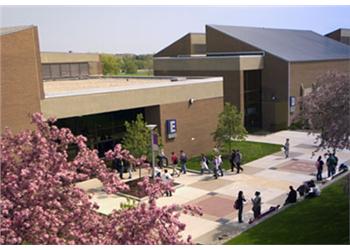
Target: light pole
151 127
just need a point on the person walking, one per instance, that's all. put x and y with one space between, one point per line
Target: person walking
166 178
216 166
319 167
183 161
220 165
238 160
292 196
239 203
120 167
256 205
174 162
204 164
232 160
286 148
128 167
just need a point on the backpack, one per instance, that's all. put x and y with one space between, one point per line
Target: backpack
236 204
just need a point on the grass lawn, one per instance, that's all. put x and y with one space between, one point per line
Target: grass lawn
322 220
250 151
139 73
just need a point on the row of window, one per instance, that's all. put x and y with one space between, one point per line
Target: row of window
64 70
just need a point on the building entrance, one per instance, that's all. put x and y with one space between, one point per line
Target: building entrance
104 130
252 99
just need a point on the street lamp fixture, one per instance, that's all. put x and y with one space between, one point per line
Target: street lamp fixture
151 127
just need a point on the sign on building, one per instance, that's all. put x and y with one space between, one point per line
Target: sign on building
171 128
292 103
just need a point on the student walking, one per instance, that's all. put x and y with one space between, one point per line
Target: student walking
216 163
174 162
220 165
319 167
238 160
204 164
239 206
256 205
183 161
286 148
232 160
128 168
166 178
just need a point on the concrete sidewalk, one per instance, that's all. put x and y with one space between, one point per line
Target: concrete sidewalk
271 175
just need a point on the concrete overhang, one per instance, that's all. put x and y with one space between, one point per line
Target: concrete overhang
209 63
100 100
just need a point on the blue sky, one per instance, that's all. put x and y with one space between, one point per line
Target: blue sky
147 29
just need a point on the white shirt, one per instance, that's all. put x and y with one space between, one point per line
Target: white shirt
166 177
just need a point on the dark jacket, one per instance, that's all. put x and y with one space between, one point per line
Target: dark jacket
240 201
292 197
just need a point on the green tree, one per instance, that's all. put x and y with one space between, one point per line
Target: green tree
230 127
129 66
137 138
111 64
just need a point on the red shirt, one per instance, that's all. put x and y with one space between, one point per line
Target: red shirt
174 159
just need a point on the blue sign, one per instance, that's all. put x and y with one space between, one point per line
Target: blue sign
171 128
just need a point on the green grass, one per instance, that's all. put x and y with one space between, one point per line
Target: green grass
250 151
322 220
139 73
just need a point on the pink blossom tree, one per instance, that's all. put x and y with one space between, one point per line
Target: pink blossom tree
41 205
326 110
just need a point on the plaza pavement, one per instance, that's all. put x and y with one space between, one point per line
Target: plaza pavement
271 175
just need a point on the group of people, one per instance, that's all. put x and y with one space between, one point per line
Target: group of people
307 190
331 163
235 161
256 202
217 165
175 161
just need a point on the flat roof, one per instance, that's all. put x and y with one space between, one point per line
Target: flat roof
66 57
61 88
69 98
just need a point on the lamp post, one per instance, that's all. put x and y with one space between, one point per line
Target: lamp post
151 127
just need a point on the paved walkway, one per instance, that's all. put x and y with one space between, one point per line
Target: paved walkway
271 175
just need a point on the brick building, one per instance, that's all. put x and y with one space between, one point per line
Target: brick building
98 106
266 71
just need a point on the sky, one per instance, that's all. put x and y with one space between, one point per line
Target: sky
148 29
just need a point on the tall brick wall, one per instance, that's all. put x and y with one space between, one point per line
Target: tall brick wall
21 81
306 73
195 123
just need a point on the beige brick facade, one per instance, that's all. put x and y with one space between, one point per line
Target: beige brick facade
21 83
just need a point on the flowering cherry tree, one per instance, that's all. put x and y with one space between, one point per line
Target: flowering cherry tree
41 205
327 110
